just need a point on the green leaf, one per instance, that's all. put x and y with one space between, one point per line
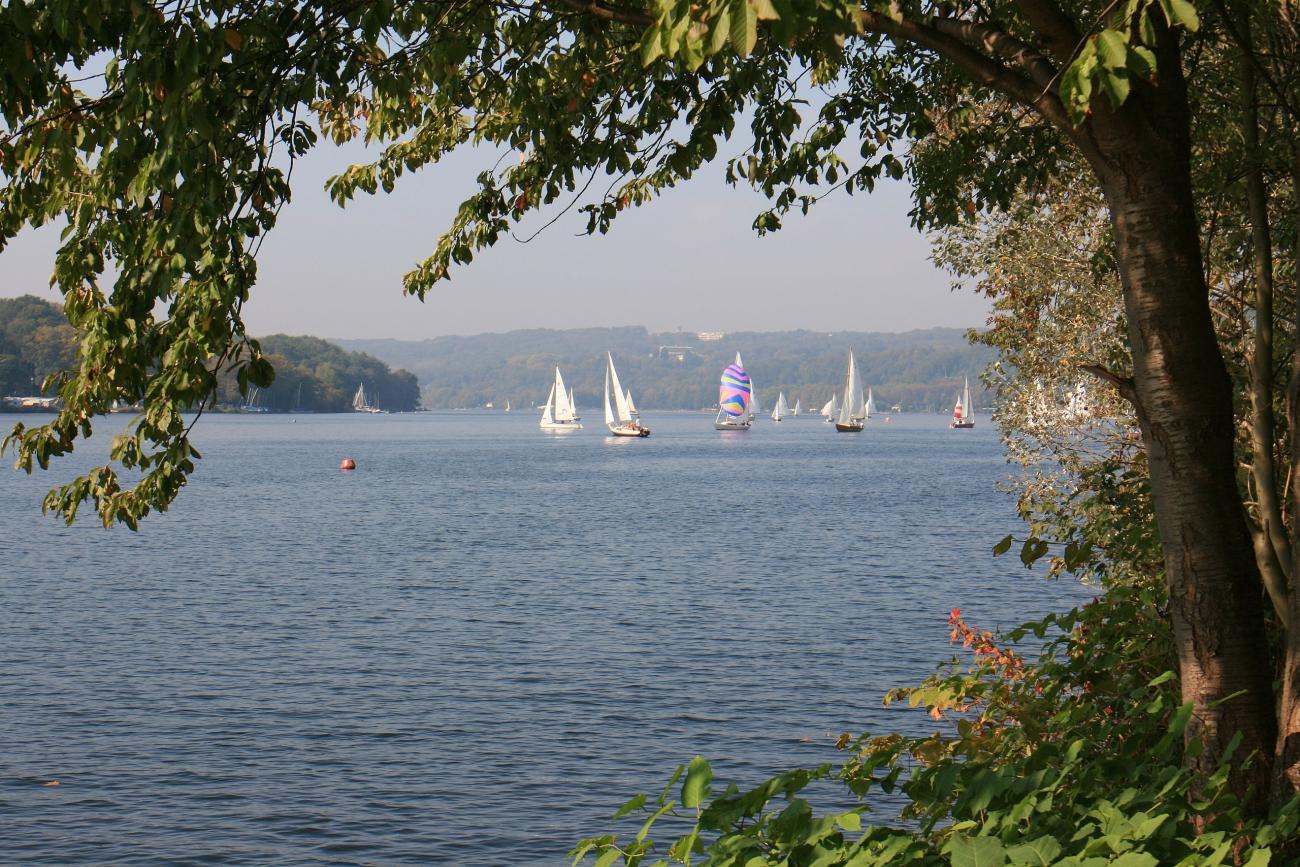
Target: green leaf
1003 546
744 27
1042 851
1116 84
695 788
851 821
635 803
1180 718
1112 49
1181 12
1135 859
964 851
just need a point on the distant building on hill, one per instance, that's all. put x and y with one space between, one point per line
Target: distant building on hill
708 336
676 353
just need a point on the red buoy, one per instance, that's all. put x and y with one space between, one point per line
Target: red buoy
348 464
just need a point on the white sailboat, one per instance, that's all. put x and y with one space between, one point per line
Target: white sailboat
507 405
853 410
871 403
361 403
618 417
560 414
782 409
963 415
798 407
735 398
832 409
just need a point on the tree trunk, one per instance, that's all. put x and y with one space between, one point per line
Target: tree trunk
1273 549
1286 777
1184 403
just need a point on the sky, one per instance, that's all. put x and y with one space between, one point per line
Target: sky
688 260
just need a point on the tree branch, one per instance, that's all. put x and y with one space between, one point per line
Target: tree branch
609 13
1001 44
981 68
1060 34
1123 384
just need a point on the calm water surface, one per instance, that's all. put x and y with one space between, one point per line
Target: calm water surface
473 648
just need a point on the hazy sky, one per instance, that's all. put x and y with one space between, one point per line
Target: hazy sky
689 259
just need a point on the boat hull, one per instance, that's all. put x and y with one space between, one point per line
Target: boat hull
629 431
851 427
731 425
554 426
962 425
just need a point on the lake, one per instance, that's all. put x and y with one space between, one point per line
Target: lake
477 645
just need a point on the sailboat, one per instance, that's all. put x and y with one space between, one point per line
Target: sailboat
619 418
963 416
361 403
254 402
852 417
798 407
870 406
782 409
832 409
560 413
735 398
507 405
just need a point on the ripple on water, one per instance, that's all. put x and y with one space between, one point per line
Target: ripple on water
472 649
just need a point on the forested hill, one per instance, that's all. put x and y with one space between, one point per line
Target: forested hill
921 370
311 374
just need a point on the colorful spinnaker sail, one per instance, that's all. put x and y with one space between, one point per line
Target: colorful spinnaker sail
734 390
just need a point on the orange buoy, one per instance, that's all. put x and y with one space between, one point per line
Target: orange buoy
348 464
51 783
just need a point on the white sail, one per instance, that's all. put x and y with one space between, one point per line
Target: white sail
852 403
966 410
631 405
828 409
359 399
782 409
563 404
798 407
609 412
547 416
623 412
753 396
871 402
573 406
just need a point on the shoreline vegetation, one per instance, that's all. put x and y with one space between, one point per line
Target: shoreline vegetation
917 370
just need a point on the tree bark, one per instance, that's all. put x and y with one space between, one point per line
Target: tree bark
1184 400
1286 759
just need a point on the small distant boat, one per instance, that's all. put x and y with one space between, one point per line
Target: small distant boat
963 416
798 407
618 417
782 409
560 413
735 398
361 403
507 406
852 417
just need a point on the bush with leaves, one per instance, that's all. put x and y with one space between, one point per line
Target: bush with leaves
1074 758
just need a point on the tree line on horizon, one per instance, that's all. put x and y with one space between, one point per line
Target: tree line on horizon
311 374
919 370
